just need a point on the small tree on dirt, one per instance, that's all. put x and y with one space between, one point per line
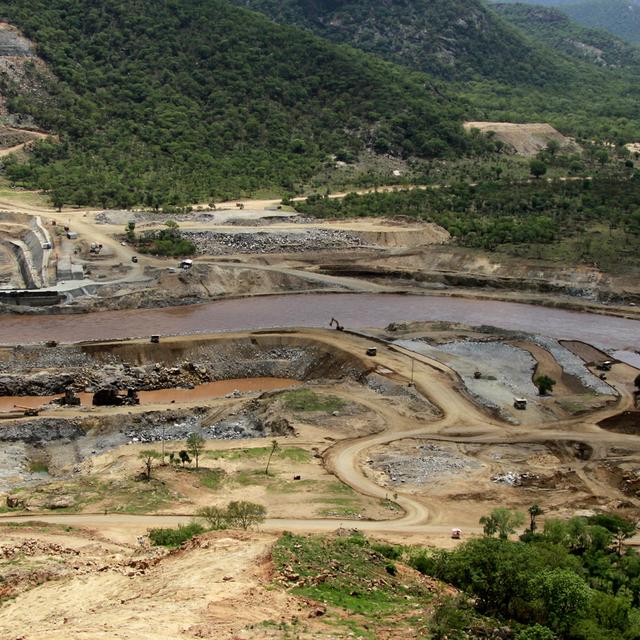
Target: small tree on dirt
57 199
545 384
195 446
553 146
534 511
215 517
537 168
148 456
245 514
502 521
274 448
130 231
184 457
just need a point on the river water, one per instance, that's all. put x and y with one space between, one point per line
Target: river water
354 311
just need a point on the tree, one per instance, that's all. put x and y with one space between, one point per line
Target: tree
536 632
184 457
534 512
502 521
537 168
215 517
148 456
553 146
244 514
274 448
130 231
637 381
195 445
563 597
545 384
57 199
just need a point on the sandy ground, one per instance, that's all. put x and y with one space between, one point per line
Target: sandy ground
194 593
524 139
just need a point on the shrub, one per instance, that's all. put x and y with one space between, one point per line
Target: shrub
450 619
389 551
175 537
536 632
245 515
215 517
545 384
422 563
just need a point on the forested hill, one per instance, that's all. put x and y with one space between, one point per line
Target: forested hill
619 17
454 39
177 101
555 29
501 71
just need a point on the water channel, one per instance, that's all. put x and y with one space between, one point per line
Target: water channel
354 311
200 392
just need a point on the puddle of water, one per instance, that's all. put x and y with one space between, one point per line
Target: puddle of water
201 392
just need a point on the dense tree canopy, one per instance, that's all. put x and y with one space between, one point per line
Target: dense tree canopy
176 101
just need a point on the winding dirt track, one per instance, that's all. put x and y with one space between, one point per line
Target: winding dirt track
461 421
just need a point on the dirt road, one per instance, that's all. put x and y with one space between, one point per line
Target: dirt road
461 421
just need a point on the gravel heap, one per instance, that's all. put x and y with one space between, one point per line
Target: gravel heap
512 478
210 363
216 244
238 427
430 463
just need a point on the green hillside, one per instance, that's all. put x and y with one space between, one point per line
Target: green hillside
555 29
454 39
503 73
177 101
619 17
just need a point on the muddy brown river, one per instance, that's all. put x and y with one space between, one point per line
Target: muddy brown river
354 311
205 391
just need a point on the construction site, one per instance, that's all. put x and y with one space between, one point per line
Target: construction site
405 432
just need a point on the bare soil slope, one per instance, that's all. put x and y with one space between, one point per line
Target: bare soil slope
525 139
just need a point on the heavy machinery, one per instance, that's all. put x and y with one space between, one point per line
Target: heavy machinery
339 327
29 412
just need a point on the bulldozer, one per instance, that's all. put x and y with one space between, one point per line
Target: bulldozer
29 412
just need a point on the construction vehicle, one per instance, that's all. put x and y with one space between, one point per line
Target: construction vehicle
372 351
520 404
29 412
339 327
456 534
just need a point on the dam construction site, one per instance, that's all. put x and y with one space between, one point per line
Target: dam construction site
319 320
407 433
326 381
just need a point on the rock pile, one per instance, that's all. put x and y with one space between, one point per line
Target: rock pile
431 462
215 243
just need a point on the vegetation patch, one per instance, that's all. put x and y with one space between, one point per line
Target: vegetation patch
578 221
308 400
212 478
345 572
147 112
169 537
